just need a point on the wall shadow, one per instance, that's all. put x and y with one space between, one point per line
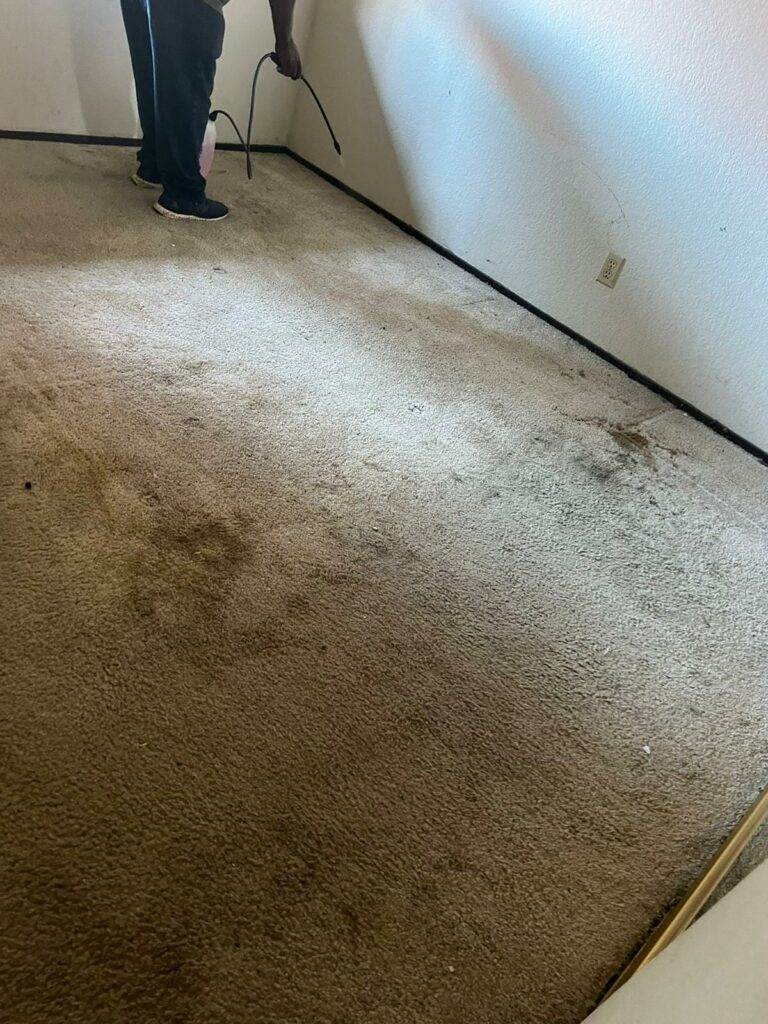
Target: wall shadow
369 152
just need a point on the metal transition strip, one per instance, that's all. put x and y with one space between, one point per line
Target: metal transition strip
678 919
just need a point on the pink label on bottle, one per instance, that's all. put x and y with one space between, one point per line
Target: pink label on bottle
209 149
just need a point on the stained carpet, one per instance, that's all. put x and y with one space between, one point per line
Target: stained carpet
371 653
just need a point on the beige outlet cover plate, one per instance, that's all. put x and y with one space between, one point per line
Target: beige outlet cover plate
611 270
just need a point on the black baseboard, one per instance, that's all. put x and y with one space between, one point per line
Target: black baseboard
237 147
116 140
441 250
641 378
78 140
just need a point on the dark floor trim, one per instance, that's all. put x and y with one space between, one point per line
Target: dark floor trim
652 385
114 140
236 147
78 140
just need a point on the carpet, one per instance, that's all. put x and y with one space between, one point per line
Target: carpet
371 653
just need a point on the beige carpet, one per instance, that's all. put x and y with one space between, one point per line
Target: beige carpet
372 654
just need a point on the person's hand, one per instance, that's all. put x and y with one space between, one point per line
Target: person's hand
288 59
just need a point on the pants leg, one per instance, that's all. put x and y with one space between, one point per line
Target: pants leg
136 20
187 37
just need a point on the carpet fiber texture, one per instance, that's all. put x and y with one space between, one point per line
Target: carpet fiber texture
371 653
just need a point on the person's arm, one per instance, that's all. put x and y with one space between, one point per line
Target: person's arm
286 53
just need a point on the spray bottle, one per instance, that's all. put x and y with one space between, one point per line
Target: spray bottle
209 148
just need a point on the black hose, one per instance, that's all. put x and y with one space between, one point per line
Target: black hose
248 166
246 144
215 113
316 98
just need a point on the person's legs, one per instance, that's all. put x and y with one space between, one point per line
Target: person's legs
187 37
136 19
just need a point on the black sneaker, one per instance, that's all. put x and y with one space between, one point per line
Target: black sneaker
191 209
142 181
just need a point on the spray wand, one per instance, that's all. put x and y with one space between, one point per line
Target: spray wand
209 142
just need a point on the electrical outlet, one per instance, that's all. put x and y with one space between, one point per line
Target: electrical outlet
611 271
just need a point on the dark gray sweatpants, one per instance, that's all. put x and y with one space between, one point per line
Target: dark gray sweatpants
174 47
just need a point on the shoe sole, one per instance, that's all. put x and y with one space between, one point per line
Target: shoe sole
186 216
143 183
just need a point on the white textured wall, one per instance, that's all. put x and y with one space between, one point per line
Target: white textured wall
531 137
713 974
64 67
